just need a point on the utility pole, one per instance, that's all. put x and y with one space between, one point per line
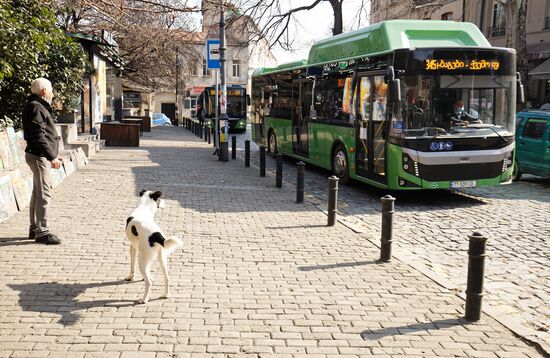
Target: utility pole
177 84
224 144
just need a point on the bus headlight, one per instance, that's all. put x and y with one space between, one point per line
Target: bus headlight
508 161
409 165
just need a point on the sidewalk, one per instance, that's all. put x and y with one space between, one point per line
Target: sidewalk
258 274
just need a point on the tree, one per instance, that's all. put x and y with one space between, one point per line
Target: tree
516 13
149 33
31 46
274 18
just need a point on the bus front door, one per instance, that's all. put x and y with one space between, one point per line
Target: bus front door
301 100
371 96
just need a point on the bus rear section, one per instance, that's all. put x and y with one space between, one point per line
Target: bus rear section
237 101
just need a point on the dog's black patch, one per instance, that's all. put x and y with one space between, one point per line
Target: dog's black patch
134 231
156 195
142 192
128 220
156 237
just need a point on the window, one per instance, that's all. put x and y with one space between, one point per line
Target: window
534 128
499 20
205 70
447 16
194 70
236 68
281 96
333 99
190 102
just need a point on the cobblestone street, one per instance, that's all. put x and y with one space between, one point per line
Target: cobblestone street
260 275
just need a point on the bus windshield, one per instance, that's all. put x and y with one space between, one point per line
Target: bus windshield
456 95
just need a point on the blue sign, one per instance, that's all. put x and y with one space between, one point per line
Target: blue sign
433 145
448 145
213 54
441 146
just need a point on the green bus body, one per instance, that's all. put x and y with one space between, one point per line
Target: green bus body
340 104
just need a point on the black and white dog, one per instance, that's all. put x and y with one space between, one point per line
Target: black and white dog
147 241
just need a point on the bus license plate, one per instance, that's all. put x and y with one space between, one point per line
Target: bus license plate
463 184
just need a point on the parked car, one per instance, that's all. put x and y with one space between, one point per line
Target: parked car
160 119
532 143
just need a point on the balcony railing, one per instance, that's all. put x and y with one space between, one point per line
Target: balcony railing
497 31
547 22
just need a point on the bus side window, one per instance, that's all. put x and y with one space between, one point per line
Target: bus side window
332 99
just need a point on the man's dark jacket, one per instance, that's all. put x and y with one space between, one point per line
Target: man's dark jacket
39 130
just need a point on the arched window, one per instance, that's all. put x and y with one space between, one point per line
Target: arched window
447 16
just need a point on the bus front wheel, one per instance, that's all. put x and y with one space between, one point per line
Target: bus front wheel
516 173
272 143
340 165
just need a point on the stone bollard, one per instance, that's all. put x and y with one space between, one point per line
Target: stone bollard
262 161
247 153
233 147
476 268
387 228
279 171
300 170
332 199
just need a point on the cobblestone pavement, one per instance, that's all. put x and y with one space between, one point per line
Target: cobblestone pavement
258 274
431 231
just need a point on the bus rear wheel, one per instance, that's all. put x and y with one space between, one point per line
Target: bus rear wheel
272 143
340 164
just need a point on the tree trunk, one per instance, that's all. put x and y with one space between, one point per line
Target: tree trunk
338 27
516 13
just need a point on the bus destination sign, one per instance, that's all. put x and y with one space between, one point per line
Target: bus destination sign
456 64
230 92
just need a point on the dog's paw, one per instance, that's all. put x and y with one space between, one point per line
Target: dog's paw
142 301
165 297
130 278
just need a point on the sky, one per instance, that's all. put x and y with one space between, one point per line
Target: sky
313 25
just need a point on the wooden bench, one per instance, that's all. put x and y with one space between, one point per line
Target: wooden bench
120 134
146 122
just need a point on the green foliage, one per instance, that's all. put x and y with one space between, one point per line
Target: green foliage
31 46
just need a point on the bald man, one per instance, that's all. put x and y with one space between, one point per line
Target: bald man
41 155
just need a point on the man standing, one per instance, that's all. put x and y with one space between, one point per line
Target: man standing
40 154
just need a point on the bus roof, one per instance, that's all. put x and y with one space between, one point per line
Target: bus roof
385 37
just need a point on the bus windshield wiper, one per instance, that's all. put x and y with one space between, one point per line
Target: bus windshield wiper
497 133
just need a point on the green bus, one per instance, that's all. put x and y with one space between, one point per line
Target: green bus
378 105
237 101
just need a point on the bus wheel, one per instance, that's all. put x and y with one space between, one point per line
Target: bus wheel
272 143
516 173
340 166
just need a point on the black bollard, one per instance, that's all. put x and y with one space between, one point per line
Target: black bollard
247 153
387 228
279 171
213 133
201 130
233 147
476 268
205 131
262 161
208 134
301 170
332 199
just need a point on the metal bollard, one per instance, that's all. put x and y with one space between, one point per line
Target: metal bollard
233 147
208 134
262 161
213 133
201 130
301 170
205 131
279 171
247 153
332 199
387 228
476 268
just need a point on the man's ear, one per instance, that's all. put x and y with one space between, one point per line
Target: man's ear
156 195
142 192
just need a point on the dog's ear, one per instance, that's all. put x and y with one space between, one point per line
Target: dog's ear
142 192
156 195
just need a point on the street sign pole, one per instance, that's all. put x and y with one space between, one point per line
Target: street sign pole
217 124
224 144
213 62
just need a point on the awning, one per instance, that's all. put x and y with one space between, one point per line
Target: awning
541 72
538 51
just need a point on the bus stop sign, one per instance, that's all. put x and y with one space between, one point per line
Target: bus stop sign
213 54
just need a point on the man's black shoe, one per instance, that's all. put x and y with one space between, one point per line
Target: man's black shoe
32 235
48 239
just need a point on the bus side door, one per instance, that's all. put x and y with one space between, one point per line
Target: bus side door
301 102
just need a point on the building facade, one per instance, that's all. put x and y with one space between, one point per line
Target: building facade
490 17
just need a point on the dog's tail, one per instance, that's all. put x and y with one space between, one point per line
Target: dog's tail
172 243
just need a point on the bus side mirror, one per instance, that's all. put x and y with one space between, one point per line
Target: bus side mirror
396 90
520 90
394 83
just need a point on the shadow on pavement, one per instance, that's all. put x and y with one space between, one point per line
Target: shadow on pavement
16 241
337 265
376 334
60 298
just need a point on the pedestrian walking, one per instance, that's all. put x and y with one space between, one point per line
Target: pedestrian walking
41 155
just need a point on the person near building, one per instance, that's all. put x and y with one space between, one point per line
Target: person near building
41 154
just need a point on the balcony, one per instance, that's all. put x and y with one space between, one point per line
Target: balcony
547 22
